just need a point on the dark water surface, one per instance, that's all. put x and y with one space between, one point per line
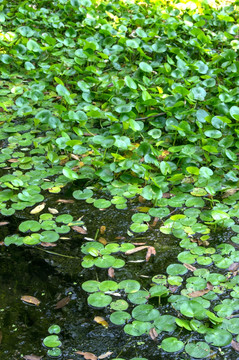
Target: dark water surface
51 277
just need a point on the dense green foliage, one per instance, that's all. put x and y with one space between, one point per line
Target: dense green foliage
129 100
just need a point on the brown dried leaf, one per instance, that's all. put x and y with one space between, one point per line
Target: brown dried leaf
141 199
102 240
30 300
229 193
156 219
87 355
38 208
100 320
13 160
47 244
53 211
111 272
132 251
120 238
167 195
151 251
32 357
64 201
105 355
63 302
79 229
190 267
153 334
198 293
102 229
209 286
4 223
173 288
2 243
235 345
139 244
234 267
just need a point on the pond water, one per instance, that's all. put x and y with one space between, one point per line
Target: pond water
53 274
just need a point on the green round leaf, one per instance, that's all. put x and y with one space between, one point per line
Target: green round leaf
218 337
102 203
99 300
119 317
52 341
54 329
145 67
145 312
172 344
199 350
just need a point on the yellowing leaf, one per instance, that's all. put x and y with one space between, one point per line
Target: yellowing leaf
38 208
102 229
53 211
100 320
30 300
55 189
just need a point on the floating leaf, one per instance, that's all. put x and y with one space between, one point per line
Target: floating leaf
87 355
52 341
38 208
30 300
198 350
63 302
100 320
172 344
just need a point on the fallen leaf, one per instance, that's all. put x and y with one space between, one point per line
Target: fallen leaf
235 345
234 267
173 288
198 293
4 223
167 195
87 355
156 219
141 199
53 211
103 356
132 251
2 243
63 302
13 160
153 334
38 208
229 193
111 272
76 157
30 300
120 238
190 267
47 244
139 244
100 320
64 201
79 229
102 240
32 357
136 261
151 251
209 286
102 229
